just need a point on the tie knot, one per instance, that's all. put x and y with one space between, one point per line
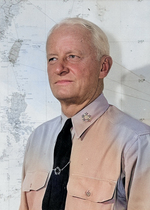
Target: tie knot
68 124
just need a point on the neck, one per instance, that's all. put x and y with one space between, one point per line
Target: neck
70 109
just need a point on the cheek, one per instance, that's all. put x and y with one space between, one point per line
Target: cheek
90 77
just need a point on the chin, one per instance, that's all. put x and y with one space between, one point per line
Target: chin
65 99
62 96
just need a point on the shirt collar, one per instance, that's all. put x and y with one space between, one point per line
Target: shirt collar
63 119
87 116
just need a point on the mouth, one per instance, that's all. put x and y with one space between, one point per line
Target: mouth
63 82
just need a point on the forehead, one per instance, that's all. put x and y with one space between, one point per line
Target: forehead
75 32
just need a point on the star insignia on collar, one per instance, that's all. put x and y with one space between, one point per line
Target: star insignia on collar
86 117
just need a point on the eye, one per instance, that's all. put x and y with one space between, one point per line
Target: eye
73 58
52 60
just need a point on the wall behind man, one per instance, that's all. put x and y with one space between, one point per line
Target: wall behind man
25 97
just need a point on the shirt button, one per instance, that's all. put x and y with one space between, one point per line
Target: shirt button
30 185
87 193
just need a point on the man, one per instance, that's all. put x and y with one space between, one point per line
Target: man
109 167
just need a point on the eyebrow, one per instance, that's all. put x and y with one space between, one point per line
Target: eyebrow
52 54
75 51
69 52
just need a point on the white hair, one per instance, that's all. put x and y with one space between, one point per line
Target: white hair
99 38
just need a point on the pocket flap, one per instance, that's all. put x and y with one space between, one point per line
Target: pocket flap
95 190
35 180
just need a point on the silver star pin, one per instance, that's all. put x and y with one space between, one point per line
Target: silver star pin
86 117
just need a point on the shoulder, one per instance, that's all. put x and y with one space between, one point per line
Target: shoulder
45 131
126 122
49 125
129 133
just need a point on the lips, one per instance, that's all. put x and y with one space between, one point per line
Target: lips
63 82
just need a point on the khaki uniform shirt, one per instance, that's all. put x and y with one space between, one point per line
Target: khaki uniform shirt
110 161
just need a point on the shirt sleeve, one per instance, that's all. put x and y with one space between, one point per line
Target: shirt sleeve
137 174
23 201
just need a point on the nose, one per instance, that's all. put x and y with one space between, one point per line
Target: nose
61 68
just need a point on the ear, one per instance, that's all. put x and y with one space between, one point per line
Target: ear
106 63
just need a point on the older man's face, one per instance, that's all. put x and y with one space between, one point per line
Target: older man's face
73 69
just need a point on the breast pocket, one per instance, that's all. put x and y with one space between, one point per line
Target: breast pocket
35 181
95 190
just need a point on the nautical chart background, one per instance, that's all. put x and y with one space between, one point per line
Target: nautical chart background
25 97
